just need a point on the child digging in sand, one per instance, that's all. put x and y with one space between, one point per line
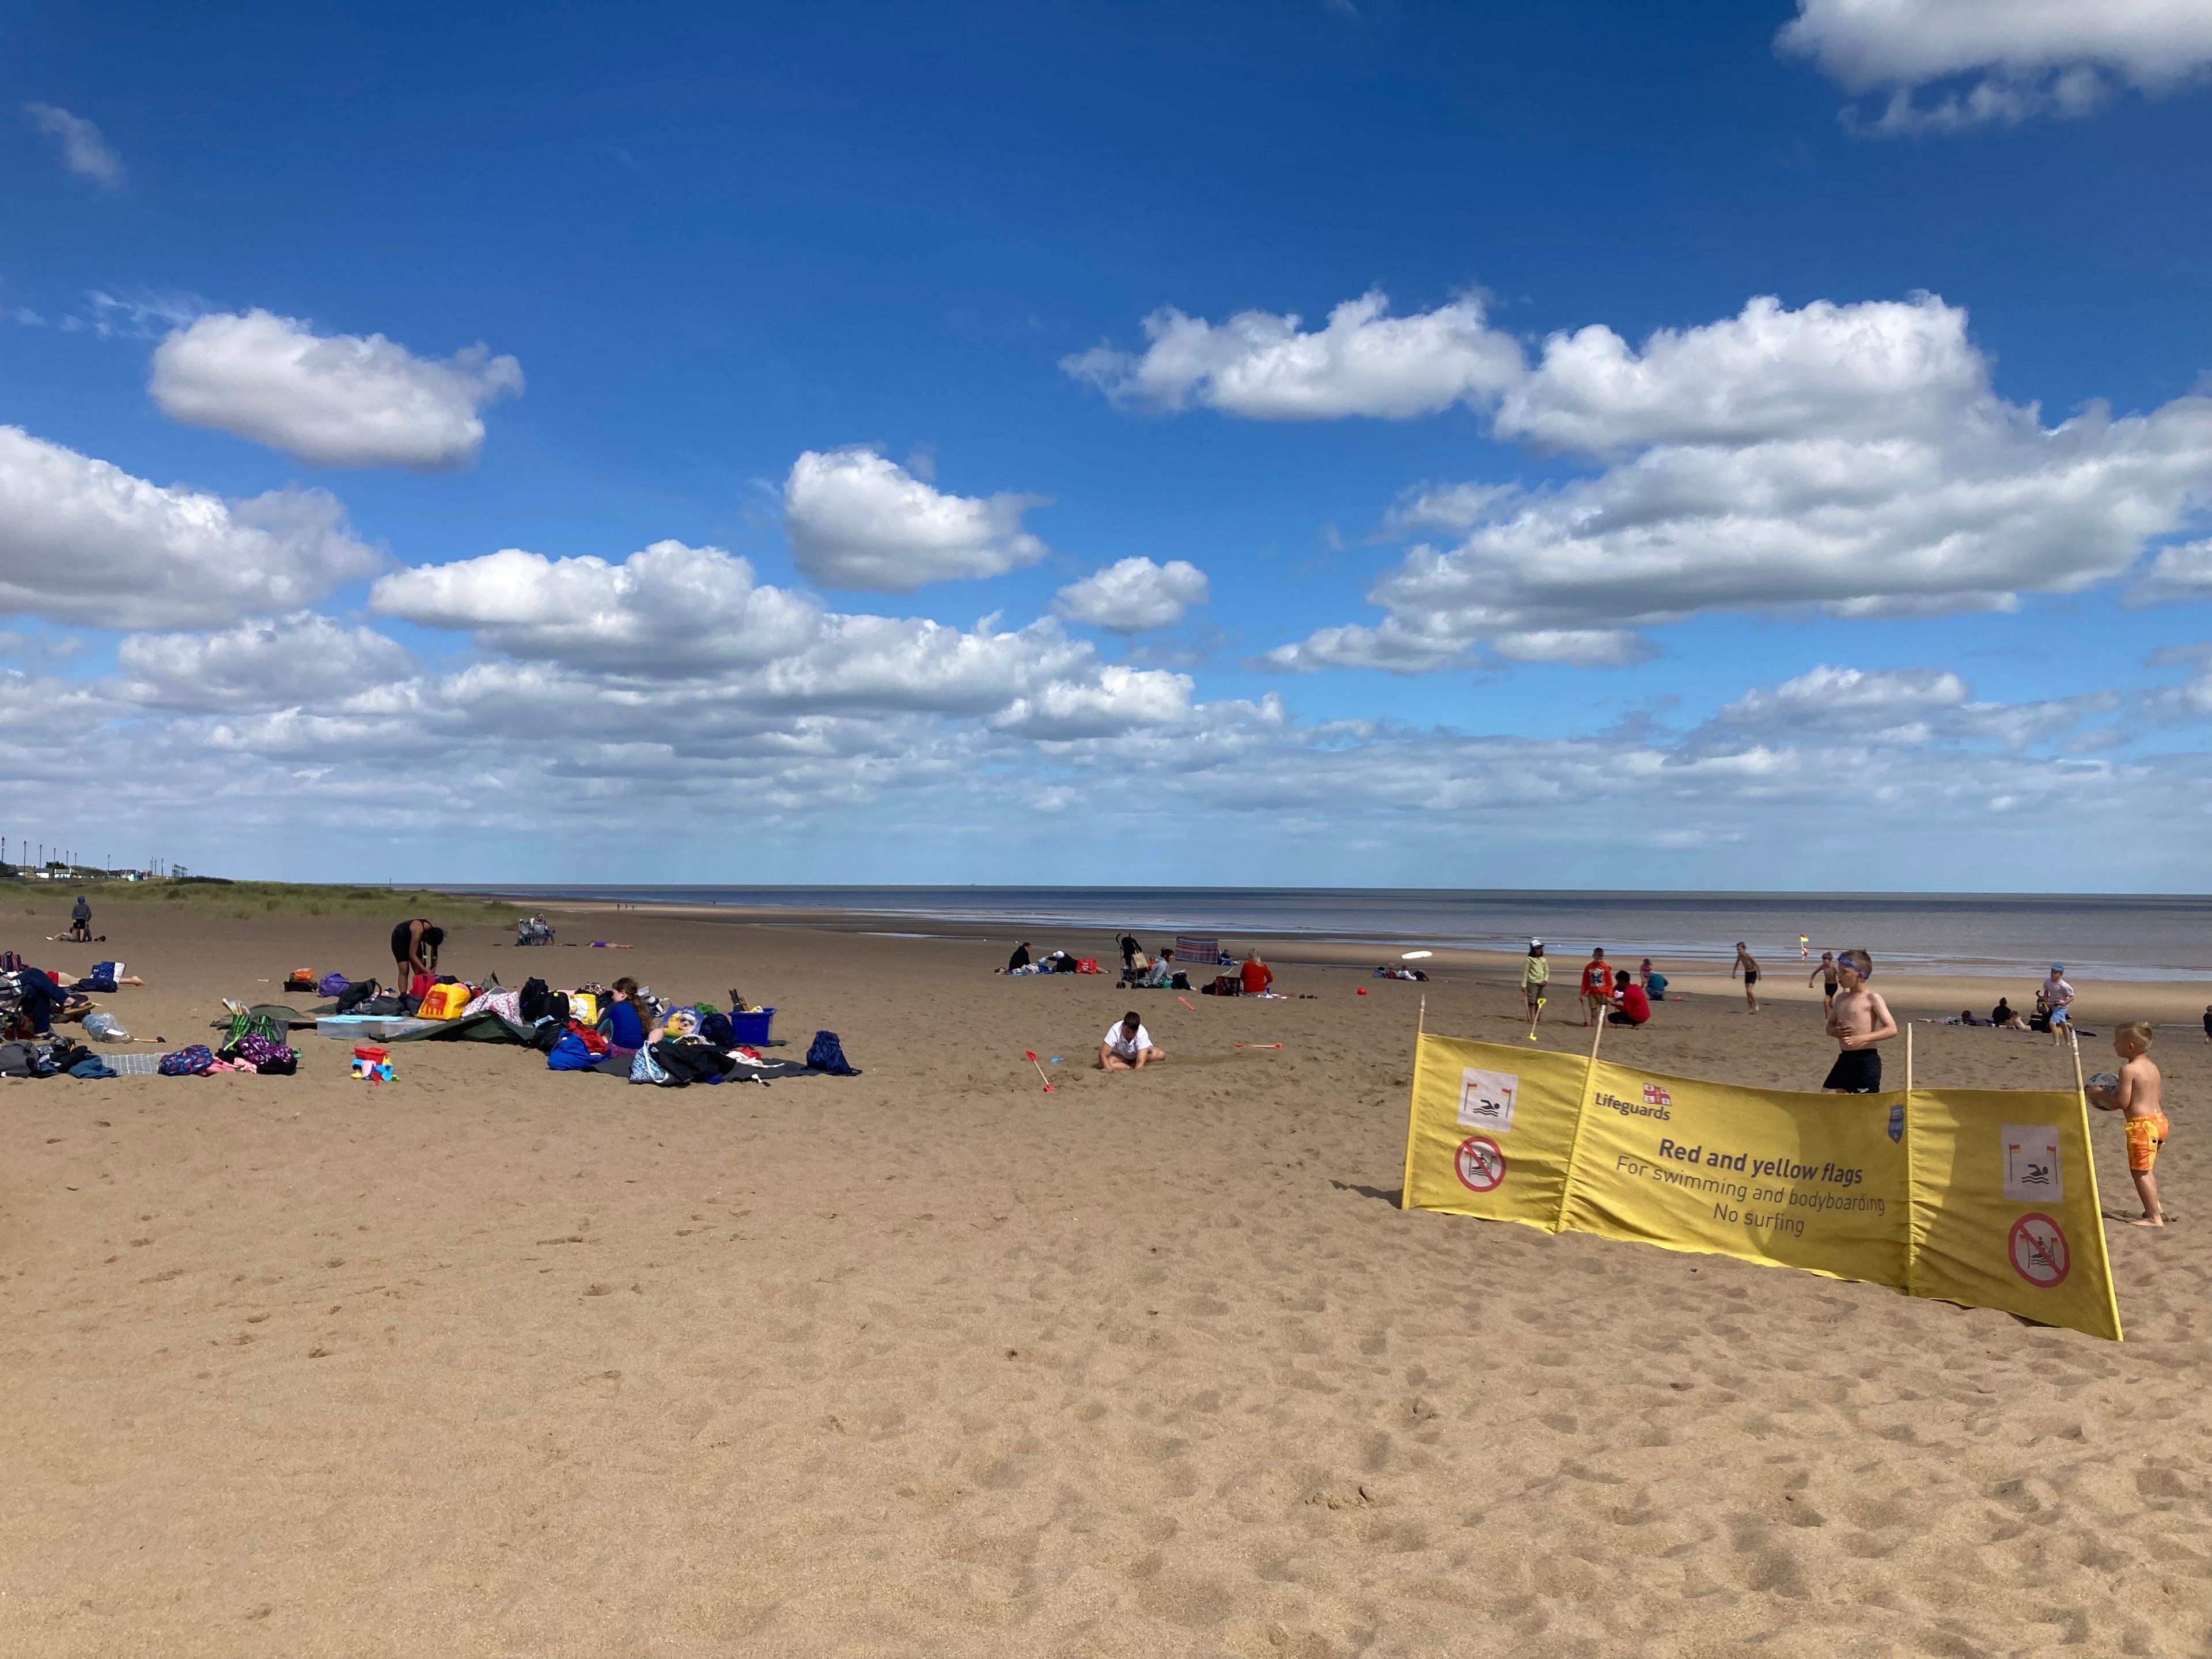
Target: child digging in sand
1858 1019
2141 1094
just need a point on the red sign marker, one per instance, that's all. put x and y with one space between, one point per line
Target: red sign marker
2037 1247
1480 1163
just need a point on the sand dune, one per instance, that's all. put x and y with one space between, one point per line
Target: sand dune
497 1361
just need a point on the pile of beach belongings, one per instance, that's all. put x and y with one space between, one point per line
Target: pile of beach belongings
696 1045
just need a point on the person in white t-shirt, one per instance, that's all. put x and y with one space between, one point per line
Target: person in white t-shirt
2059 995
1127 1046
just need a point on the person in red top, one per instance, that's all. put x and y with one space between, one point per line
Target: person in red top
1597 988
1633 1006
1256 975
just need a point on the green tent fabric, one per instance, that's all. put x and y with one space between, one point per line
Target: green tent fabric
482 1026
290 1019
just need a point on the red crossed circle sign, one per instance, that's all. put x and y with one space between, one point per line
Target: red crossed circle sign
1481 1163
2037 1249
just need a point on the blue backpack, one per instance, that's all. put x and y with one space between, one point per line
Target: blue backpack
569 1054
828 1054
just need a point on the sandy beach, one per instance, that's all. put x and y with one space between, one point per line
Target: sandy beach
497 1361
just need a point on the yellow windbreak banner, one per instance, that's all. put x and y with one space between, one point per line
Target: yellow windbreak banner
1817 1181
2005 1212
1492 1130
1980 1197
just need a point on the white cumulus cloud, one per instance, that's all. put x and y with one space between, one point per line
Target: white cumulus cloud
666 610
1822 371
1849 696
858 520
1132 596
2182 572
2017 59
1118 700
336 400
1264 367
278 662
84 151
82 541
1849 458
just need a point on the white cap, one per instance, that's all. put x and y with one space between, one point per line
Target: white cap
1534 943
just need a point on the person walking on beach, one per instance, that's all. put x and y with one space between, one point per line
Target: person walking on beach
1748 965
2059 997
80 920
1536 976
415 945
1130 951
1597 988
1858 1019
1825 973
2140 1092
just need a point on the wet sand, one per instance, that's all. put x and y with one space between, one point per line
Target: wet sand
494 1360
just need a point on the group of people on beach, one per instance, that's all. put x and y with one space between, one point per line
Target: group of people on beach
1609 994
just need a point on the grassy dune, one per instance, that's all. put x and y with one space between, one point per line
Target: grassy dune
255 898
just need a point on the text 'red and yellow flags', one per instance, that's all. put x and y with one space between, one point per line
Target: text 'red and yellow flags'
1982 1197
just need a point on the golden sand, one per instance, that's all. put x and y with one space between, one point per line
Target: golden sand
497 1361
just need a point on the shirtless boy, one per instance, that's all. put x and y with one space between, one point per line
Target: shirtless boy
1748 965
1825 973
1858 1019
2141 1095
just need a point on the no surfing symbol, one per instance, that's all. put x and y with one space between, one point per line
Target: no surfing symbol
1481 1163
2037 1249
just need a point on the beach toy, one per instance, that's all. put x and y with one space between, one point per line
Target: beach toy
1416 956
1259 1045
1363 990
1188 1004
2101 1082
1042 1078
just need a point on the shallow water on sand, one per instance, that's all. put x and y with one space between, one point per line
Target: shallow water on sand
2134 936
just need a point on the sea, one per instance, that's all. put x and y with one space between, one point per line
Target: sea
2131 936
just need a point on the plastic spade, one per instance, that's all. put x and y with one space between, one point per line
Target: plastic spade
1042 1078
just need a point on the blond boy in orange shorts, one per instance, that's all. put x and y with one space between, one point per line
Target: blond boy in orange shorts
2141 1094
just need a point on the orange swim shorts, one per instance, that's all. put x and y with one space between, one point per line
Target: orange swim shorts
2145 1136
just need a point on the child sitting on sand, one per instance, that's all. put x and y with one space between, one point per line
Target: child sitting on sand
2141 1094
1858 1019
1127 1046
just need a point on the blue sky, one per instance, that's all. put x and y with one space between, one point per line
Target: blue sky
1564 561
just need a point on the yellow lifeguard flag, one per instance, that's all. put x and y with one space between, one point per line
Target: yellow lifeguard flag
1985 1197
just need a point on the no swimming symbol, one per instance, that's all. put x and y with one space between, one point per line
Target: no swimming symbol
2037 1249
1481 1163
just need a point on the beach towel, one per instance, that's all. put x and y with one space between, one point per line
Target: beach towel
133 1065
266 1055
508 1005
1197 949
